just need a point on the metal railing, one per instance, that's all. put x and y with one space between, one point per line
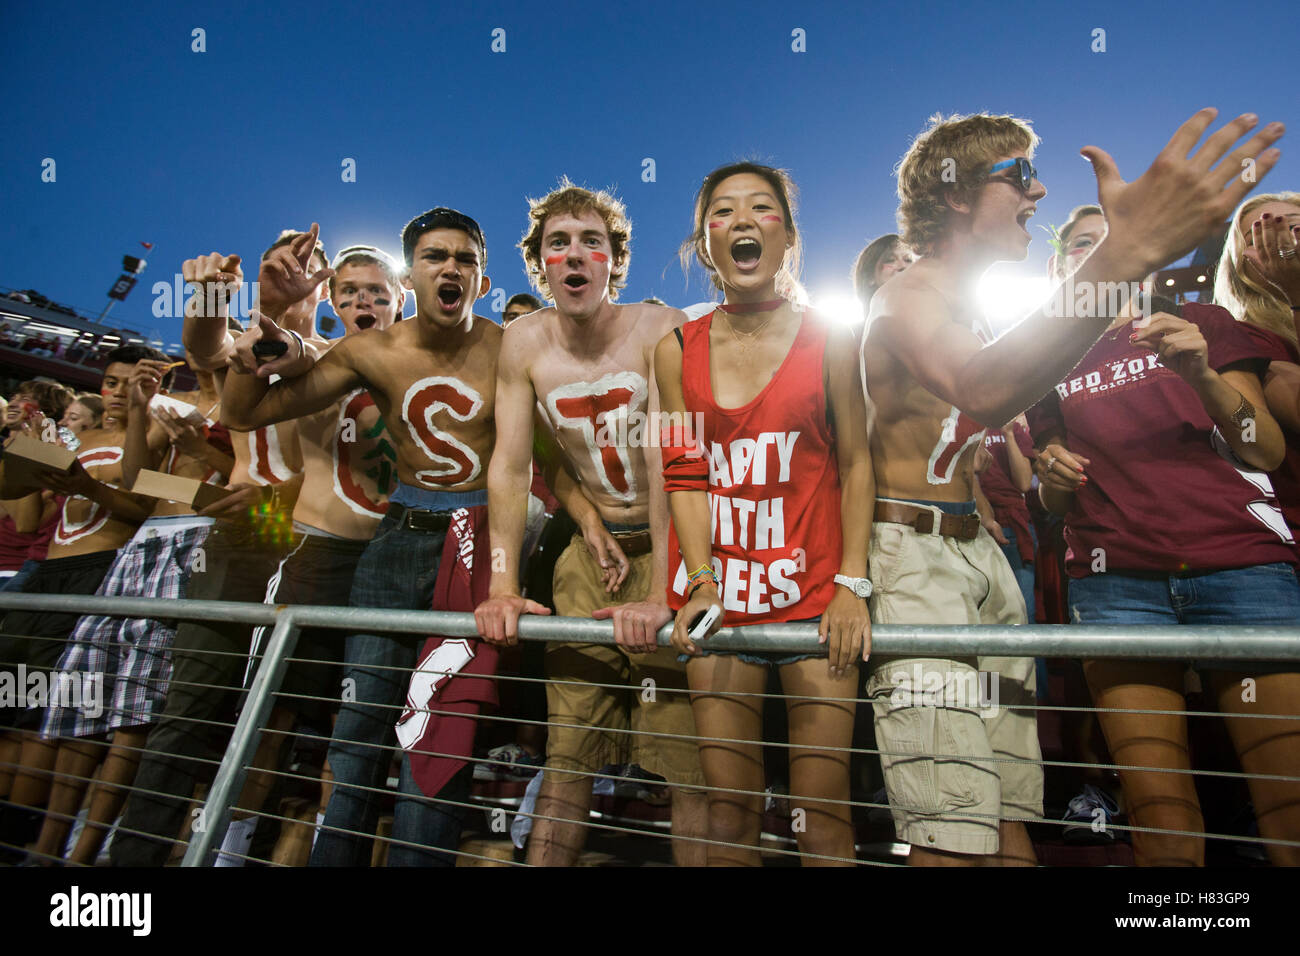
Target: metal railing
1219 644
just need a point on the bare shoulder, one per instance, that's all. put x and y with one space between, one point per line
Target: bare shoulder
489 331
364 342
527 336
667 352
652 322
100 438
908 298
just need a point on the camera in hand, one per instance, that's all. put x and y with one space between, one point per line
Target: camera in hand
265 351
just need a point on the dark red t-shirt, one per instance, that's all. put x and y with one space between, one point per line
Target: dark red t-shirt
1009 508
1159 496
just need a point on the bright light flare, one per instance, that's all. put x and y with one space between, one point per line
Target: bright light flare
839 308
1006 299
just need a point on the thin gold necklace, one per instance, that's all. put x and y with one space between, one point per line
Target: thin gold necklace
751 337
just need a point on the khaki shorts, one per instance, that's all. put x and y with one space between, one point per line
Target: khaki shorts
950 796
604 714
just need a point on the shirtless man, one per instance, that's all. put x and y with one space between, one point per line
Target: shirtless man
244 547
348 473
97 518
936 385
433 378
587 363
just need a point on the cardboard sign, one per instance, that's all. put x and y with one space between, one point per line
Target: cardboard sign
187 491
26 456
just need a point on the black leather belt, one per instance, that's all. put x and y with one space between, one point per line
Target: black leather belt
430 522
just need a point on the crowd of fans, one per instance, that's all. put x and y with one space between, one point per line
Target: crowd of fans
1132 463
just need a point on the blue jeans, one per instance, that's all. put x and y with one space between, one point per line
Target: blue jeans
1024 572
416 819
398 569
1263 594
16 582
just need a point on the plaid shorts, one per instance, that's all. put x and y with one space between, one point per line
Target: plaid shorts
130 659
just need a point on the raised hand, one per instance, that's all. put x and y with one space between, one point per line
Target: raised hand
1184 195
218 278
1272 259
144 382
286 276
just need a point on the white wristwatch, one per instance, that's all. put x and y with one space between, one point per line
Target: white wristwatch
861 587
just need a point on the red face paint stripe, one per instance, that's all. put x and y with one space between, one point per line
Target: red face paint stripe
715 225
599 257
771 219
555 260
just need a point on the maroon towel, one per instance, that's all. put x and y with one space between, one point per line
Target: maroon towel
464 574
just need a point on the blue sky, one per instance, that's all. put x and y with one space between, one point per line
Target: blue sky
219 150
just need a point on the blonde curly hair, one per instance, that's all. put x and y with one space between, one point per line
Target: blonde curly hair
952 155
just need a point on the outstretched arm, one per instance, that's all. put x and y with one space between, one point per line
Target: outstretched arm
204 334
248 401
1150 223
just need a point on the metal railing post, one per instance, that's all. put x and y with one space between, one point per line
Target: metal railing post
229 781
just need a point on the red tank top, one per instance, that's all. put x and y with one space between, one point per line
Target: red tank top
774 485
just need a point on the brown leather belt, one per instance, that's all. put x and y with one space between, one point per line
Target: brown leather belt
965 527
633 543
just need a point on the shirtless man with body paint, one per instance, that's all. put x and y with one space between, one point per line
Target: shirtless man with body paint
587 362
934 385
433 380
348 473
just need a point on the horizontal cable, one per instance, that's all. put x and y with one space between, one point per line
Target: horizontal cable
602 826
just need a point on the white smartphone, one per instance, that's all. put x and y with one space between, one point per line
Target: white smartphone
703 621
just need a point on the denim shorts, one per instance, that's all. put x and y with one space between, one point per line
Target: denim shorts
1265 594
768 658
